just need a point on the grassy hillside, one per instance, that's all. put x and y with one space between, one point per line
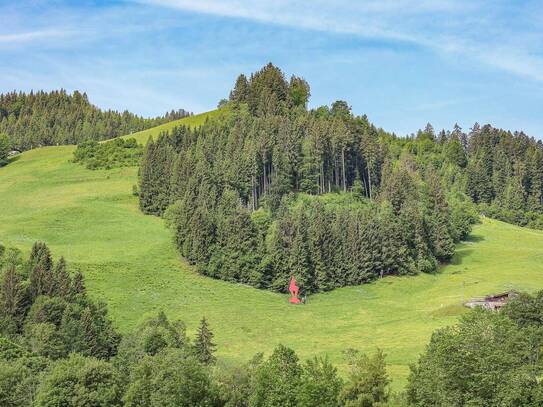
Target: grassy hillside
191 121
129 262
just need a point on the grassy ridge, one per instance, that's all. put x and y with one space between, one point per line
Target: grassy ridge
130 262
191 121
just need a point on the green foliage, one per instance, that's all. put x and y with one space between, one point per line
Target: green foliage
204 348
12 295
111 154
4 149
51 118
155 173
19 379
505 171
276 381
80 381
152 336
135 281
235 381
369 382
487 359
171 378
319 384
270 151
52 311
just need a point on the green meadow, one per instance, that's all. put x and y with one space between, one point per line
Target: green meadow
129 261
191 121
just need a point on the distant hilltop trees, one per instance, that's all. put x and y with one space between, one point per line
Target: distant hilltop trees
41 118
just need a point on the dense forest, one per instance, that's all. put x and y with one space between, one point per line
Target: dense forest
274 189
58 347
38 119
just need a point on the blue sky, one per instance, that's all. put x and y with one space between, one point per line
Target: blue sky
402 62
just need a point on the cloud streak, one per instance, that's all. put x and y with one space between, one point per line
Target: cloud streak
505 39
31 36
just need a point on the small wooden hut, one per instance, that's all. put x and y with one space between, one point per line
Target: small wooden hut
492 302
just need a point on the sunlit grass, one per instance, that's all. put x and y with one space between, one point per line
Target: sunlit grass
129 261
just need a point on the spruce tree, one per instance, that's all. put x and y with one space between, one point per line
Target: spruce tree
319 246
78 285
12 294
4 149
203 345
40 255
40 265
62 279
240 92
88 334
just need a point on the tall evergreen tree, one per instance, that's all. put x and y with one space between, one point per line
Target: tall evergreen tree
4 149
62 280
203 345
12 295
78 285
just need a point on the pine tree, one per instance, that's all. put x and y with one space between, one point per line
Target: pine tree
4 148
78 285
40 255
155 176
443 243
319 246
88 334
41 270
203 345
11 294
455 152
240 93
299 91
535 198
62 279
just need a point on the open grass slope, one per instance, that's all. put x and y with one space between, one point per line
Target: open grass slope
191 121
129 261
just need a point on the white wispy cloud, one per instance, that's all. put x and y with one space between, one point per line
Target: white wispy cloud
497 36
29 36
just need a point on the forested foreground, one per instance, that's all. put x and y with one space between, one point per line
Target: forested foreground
59 347
39 119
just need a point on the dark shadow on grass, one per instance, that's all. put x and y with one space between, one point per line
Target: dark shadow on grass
465 248
474 238
459 255
14 158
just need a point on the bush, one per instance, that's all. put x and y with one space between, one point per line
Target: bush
80 381
171 378
112 154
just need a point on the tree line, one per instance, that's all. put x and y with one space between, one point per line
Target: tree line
41 118
274 190
59 347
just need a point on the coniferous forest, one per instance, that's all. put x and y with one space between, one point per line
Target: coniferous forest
41 118
274 189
